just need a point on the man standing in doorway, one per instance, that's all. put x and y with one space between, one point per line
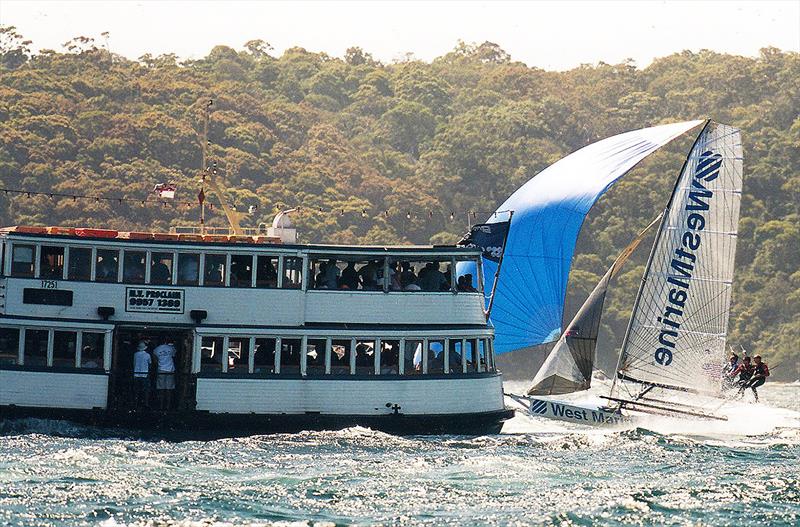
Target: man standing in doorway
141 376
165 382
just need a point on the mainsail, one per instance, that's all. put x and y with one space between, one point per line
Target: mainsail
568 366
677 333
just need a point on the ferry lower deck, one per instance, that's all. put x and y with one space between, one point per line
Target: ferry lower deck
250 381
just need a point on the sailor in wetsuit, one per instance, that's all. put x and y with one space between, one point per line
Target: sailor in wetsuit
744 371
758 378
728 383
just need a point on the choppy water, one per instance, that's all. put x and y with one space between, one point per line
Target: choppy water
537 472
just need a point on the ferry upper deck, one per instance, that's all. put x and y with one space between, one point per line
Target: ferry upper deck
86 275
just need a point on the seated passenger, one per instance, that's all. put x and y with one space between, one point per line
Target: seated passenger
106 269
349 279
214 275
160 273
188 270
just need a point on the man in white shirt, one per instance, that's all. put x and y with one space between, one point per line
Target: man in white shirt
165 382
141 376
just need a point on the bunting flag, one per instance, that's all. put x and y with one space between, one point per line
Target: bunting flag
165 190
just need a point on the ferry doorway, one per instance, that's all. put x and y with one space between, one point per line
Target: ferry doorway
126 341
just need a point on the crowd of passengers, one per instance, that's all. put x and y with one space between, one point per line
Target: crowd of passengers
402 277
264 359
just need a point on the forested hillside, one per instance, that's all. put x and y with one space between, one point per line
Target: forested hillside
402 152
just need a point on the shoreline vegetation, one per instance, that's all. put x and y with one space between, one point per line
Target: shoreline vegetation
406 152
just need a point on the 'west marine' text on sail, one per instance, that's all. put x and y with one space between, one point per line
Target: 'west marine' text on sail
685 259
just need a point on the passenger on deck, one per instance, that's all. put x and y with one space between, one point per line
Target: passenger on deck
141 376
407 276
330 277
432 279
464 284
369 275
349 279
267 275
165 382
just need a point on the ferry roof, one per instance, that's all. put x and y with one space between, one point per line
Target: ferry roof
102 236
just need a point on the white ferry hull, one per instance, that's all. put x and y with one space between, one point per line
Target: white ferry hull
230 406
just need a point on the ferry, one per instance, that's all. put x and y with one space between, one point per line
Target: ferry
265 341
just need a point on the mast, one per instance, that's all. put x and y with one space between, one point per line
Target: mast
499 265
208 174
664 219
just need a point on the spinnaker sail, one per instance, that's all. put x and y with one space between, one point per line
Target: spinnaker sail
676 337
568 366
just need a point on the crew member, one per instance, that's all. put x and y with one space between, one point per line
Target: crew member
727 381
760 374
744 371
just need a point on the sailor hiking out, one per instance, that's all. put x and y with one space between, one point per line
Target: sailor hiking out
758 376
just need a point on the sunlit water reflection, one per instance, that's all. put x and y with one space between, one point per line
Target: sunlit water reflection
541 472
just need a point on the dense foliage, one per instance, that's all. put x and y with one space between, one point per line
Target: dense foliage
402 152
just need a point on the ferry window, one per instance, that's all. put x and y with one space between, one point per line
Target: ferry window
264 357
412 357
80 263
292 272
267 271
133 267
161 269
467 275
92 350
390 357
365 357
315 356
472 354
455 357
211 354
428 275
215 270
435 356
188 269
340 357
241 270
22 258
64 349
107 265
35 347
467 283
9 345
239 355
51 262
482 352
290 355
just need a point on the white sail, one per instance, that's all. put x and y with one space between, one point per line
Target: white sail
677 333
